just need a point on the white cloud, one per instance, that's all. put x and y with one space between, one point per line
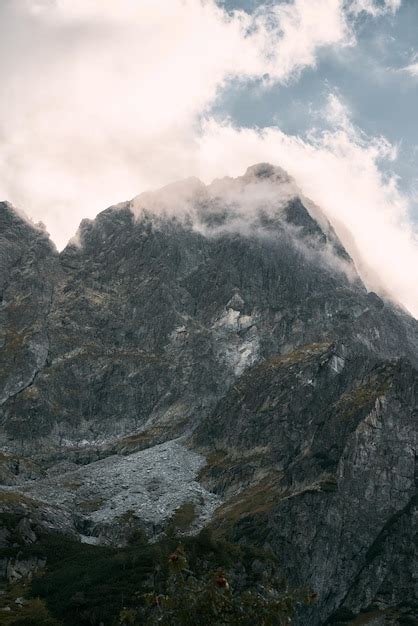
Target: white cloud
339 170
102 100
375 8
411 69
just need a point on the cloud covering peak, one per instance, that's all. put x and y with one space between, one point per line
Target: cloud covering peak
267 190
105 99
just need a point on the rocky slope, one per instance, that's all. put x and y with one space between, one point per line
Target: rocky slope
332 484
230 316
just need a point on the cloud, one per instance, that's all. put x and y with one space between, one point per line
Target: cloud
102 100
340 170
411 69
240 197
376 8
252 204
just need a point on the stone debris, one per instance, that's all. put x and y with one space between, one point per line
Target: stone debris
151 484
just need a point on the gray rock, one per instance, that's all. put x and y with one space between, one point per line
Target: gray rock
233 317
23 568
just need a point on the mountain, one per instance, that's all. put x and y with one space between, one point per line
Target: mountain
215 346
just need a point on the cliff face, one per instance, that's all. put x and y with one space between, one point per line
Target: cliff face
231 316
26 287
331 485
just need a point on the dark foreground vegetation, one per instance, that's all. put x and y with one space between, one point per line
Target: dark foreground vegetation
200 581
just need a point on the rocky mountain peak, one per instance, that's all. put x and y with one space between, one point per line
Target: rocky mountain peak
212 346
266 170
14 218
265 201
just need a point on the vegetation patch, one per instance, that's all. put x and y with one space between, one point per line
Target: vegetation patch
256 499
150 437
328 485
223 468
17 608
140 441
370 617
72 485
13 497
89 506
183 517
15 340
262 497
216 462
202 581
14 464
297 356
360 399
30 393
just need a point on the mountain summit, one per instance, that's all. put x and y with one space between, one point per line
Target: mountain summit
215 345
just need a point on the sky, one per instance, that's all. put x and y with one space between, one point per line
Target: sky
102 100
